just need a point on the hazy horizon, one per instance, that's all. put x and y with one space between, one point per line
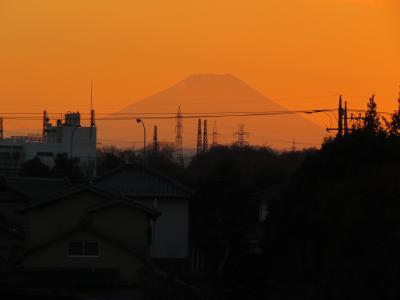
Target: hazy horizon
301 54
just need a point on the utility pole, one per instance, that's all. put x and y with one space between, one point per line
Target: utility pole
199 144
346 126
205 137
138 120
342 119
294 145
1 129
155 140
178 138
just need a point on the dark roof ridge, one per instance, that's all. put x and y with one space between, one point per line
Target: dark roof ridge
72 191
3 184
139 166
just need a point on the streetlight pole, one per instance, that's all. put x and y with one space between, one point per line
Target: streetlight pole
138 120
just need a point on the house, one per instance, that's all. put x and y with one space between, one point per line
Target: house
145 185
38 188
90 232
253 231
11 223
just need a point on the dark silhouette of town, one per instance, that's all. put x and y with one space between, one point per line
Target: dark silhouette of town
237 222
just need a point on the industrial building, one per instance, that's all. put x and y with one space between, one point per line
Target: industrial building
67 136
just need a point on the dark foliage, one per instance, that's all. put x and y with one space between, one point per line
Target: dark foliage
336 230
224 177
34 168
66 167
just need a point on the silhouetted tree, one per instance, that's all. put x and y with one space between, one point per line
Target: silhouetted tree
393 125
107 159
34 168
335 228
66 167
372 121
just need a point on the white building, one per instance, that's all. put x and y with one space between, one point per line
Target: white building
67 137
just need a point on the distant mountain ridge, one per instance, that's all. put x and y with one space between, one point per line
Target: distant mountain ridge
207 93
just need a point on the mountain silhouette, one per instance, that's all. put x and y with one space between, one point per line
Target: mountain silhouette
210 93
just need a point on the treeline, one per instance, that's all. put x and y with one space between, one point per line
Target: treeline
336 230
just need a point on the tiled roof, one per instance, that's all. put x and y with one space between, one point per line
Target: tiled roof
142 181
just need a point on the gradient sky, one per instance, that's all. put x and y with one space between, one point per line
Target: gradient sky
300 53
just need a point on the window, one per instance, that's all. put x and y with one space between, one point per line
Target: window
75 249
90 249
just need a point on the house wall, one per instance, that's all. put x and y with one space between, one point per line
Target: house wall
125 224
54 218
56 256
171 229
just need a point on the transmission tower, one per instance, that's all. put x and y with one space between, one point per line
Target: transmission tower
241 136
199 142
294 145
205 137
155 141
214 135
178 139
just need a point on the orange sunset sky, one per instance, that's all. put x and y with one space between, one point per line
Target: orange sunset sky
299 53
